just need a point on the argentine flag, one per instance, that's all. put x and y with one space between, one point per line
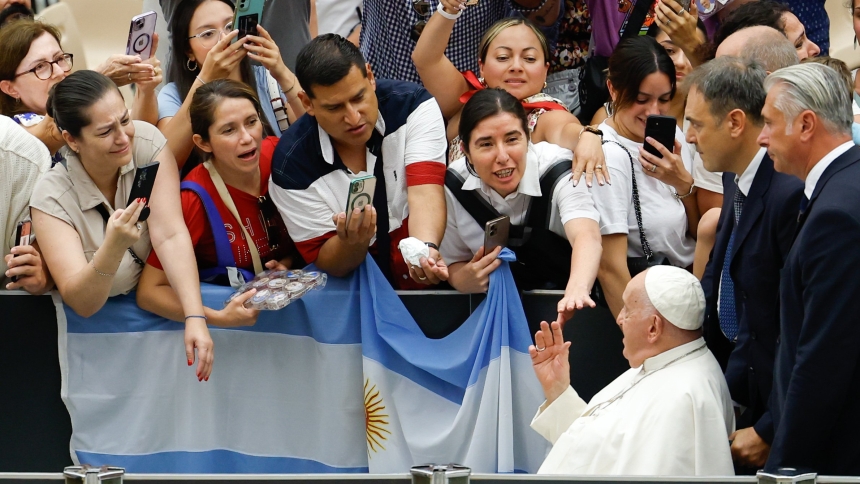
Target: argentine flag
341 381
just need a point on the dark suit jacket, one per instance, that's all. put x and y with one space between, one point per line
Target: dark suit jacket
762 241
816 393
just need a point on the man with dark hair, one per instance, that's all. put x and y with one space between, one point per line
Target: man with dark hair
770 14
15 9
755 231
357 126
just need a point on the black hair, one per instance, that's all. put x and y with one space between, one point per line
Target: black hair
632 61
764 12
487 103
180 26
326 60
70 98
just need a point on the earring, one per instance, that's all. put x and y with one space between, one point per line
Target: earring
481 80
188 65
544 84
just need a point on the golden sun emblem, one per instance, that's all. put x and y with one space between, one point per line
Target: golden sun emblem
375 420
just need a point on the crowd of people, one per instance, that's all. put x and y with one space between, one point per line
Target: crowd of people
725 253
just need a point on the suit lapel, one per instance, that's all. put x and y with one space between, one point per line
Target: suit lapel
843 161
754 204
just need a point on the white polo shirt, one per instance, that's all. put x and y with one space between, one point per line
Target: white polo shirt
463 235
663 217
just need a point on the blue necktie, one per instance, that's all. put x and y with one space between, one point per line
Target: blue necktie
728 312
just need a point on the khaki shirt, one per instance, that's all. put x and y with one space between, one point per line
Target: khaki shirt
69 194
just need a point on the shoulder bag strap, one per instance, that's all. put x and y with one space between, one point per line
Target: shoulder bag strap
221 188
223 251
474 204
636 207
540 210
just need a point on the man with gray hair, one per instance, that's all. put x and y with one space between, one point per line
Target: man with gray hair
765 45
756 227
669 415
816 393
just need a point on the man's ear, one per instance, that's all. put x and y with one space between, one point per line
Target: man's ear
655 327
200 143
306 102
737 120
808 123
370 76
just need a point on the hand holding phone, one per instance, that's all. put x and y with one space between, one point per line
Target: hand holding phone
144 180
360 194
140 35
22 237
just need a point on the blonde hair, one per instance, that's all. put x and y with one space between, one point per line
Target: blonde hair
491 33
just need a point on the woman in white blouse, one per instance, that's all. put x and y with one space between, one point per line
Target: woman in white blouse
502 169
648 211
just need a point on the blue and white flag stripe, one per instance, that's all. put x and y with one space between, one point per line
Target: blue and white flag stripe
290 394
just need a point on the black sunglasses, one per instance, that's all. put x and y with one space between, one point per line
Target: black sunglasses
422 8
268 213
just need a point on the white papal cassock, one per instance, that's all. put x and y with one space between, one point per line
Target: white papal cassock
672 416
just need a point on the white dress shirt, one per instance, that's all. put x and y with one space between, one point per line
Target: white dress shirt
817 170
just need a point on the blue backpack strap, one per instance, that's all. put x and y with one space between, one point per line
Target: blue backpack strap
223 251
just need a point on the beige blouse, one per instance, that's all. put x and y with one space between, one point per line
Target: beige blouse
69 194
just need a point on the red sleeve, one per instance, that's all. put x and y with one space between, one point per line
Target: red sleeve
195 220
310 249
425 173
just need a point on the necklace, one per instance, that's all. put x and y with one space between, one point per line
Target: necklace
594 411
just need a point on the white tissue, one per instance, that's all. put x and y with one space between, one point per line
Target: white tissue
413 250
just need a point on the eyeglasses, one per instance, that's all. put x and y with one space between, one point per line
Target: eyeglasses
422 8
268 213
44 70
209 37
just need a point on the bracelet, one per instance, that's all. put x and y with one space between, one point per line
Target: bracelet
201 80
204 318
524 10
681 197
592 130
432 245
449 16
295 81
104 274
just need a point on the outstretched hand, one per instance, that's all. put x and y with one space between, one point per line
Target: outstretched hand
550 360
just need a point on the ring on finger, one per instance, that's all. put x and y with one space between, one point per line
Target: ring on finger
139 226
129 76
422 278
539 349
653 168
681 12
598 167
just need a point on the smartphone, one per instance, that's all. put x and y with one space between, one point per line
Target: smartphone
22 237
246 17
144 179
140 35
685 4
496 233
662 129
360 194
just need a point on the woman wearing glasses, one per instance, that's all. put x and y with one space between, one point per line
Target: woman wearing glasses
91 237
232 184
514 56
204 50
33 61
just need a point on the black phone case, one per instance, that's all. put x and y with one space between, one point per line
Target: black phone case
144 180
662 129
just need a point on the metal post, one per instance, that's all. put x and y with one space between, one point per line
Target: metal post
86 474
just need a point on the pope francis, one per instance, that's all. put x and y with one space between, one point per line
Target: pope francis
670 414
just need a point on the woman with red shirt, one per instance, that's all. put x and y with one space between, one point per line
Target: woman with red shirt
225 203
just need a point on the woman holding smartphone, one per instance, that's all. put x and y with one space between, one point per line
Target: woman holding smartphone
93 244
204 50
225 118
503 169
33 61
648 211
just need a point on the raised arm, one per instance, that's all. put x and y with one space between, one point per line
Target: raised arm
613 272
584 237
145 106
265 51
438 74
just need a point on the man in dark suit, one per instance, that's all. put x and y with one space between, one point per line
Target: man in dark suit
756 227
815 403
